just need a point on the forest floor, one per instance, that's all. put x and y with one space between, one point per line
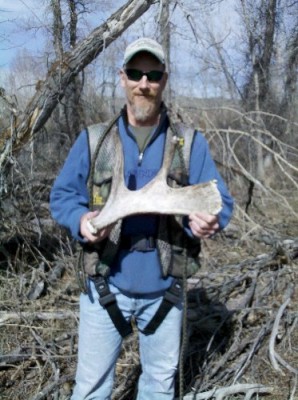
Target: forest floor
245 289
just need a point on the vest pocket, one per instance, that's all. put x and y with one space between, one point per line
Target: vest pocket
92 263
100 190
181 259
185 249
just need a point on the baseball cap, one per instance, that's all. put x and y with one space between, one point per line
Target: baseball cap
144 44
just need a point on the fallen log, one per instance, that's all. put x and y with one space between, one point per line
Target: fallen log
31 316
222 393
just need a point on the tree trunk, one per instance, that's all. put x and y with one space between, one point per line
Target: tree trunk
165 33
261 27
63 72
69 115
290 93
57 29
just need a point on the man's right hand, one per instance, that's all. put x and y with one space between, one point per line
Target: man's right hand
85 231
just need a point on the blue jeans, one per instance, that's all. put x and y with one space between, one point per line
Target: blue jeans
100 345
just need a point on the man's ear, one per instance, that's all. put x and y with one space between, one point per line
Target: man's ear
122 77
164 80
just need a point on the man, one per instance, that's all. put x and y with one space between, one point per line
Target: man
136 275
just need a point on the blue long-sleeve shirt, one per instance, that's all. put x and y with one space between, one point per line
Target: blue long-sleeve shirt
133 271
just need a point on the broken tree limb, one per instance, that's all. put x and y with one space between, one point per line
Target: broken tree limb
62 72
221 393
273 355
43 316
218 346
51 386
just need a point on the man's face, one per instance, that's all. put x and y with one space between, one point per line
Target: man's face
144 96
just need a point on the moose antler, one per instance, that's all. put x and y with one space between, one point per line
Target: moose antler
157 197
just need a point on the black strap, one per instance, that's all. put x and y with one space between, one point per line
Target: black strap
108 300
171 297
138 242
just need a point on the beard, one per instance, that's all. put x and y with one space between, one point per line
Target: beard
144 110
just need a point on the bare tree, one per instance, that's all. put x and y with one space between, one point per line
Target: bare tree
233 88
62 72
69 115
165 35
289 101
260 21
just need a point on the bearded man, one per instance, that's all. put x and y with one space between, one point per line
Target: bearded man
135 273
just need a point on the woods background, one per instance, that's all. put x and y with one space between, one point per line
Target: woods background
233 74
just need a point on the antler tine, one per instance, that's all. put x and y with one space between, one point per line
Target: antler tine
170 145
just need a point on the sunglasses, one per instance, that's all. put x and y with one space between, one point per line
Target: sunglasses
136 75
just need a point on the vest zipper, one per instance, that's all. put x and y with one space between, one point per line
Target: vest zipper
141 153
140 158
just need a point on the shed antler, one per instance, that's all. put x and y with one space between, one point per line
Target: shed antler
157 197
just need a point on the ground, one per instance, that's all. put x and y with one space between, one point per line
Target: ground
38 339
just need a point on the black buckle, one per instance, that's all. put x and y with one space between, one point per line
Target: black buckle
144 244
139 243
105 296
107 299
173 294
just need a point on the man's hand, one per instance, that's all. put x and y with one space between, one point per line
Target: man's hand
85 232
203 225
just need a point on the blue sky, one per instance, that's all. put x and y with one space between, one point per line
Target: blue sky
10 39
14 12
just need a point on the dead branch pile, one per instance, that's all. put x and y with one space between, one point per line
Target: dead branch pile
237 312
241 330
240 339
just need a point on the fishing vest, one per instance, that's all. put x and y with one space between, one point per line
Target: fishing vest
178 252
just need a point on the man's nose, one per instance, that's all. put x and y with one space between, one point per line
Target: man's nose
144 83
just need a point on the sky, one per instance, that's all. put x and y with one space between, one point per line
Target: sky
13 11
10 40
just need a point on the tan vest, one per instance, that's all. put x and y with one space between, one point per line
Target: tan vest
176 249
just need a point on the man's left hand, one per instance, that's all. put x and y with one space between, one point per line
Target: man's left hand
203 225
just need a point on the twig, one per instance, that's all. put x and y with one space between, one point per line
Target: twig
221 393
272 353
51 386
251 353
294 388
285 364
